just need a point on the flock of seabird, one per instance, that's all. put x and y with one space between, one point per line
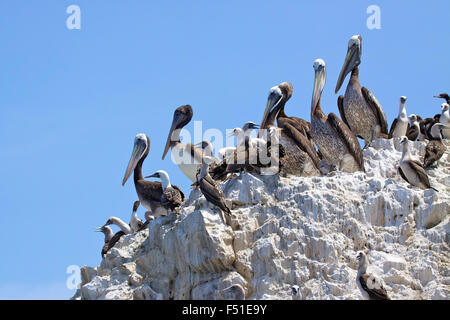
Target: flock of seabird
296 146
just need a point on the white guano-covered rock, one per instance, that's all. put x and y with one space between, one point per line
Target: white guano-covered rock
292 231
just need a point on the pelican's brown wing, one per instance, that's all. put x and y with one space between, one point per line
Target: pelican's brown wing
302 142
301 125
348 137
340 103
376 108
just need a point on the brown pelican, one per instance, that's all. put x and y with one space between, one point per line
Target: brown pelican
280 95
211 189
136 223
413 128
149 192
370 286
411 170
444 96
172 197
110 239
338 145
186 156
359 108
300 157
435 148
445 119
399 126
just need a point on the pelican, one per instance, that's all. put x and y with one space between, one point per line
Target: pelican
399 126
149 192
414 128
359 108
280 95
370 286
136 223
444 118
300 157
211 189
186 156
435 148
172 197
110 239
411 170
336 142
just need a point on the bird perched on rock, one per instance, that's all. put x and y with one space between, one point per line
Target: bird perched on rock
435 148
370 286
172 197
411 170
444 118
211 189
414 129
295 291
110 239
136 223
399 126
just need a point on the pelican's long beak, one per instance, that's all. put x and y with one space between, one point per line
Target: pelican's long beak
319 83
99 229
138 150
352 59
169 137
272 102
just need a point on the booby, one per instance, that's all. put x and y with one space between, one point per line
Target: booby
399 126
211 189
136 223
359 108
186 156
370 286
444 96
110 239
172 197
411 170
149 192
296 294
300 157
435 148
336 142
445 119
280 95
125 227
414 128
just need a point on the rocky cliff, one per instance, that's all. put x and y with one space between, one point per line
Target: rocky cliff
292 231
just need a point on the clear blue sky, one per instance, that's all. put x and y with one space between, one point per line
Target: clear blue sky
73 100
